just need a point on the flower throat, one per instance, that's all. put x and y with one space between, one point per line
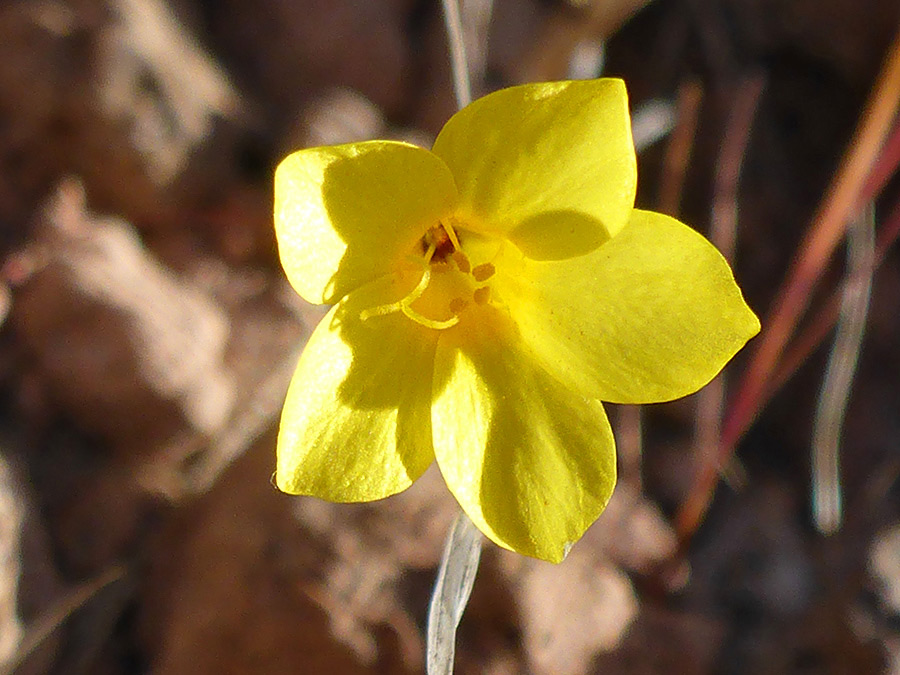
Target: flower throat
448 285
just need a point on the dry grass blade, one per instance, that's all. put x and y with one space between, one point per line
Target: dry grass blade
551 51
826 484
651 122
456 575
46 625
476 17
679 150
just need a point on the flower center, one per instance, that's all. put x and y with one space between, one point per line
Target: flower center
449 284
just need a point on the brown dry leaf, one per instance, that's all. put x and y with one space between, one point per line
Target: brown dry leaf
179 379
168 120
131 351
277 584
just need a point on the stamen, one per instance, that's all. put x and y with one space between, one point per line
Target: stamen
398 306
462 262
448 228
483 272
404 306
482 295
381 310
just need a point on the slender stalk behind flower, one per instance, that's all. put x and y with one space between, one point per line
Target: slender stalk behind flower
462 552
459 66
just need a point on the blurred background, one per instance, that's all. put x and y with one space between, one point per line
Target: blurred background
148 336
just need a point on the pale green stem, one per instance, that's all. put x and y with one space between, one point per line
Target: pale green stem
462 87
451 593
826 478
462 551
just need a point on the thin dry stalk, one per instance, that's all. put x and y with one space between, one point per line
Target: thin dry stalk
551 51
680 147
49 622
889 233
459 565
476 17
885 167
630 443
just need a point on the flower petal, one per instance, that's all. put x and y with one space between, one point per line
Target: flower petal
345 214
532 463
552 164
652 315
356 424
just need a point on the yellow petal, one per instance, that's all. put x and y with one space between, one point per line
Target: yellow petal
356 424
552 164
652 315
531 462
345 214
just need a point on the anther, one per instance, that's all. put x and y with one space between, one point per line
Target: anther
457 305
482 295
462 262
483 272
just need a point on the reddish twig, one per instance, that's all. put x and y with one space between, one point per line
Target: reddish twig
680 148
885 167
828 226
854 180
818 328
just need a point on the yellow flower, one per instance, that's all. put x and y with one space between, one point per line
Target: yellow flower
488 295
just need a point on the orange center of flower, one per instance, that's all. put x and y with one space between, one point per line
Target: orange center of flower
448 285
